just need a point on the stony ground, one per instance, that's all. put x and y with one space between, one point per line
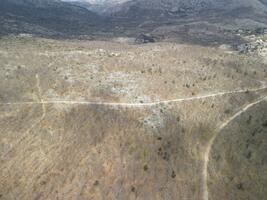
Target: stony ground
108 120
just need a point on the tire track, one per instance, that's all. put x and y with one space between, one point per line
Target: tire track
211 142
39 92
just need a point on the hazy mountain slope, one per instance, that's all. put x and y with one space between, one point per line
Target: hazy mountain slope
99 6
199 4
124 7
187 11
200 21
195 5
264 1
192 20
46 17
105 1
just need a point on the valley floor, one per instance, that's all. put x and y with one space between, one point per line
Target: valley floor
109 120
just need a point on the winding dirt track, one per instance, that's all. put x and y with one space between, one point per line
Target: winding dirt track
43 102
210 144
205 193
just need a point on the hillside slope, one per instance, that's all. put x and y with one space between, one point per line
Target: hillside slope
200 21
46 17
189 6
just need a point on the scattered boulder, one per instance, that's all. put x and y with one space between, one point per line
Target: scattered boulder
243 48
143 39
257 45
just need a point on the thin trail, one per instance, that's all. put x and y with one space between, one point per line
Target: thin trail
141 105
211 142
70 102
38 86
39 92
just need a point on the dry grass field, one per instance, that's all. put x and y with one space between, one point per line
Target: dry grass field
112 121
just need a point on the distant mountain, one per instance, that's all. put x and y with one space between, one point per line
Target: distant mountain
47 17
192 6
198 4
100 6
103 2
162 9
229 14
194 20
197 21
